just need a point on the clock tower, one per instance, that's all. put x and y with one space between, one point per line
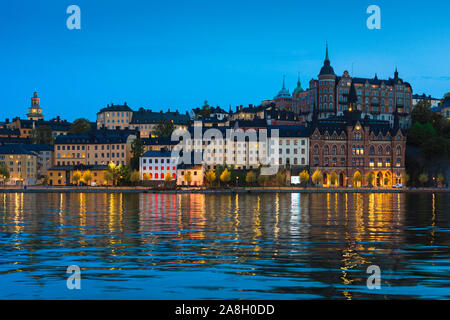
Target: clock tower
35 110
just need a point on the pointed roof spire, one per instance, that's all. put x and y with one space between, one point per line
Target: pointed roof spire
284 93
326 69
299 85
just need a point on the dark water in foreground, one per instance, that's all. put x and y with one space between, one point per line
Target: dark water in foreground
194 246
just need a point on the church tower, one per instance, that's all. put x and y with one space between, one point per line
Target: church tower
35 110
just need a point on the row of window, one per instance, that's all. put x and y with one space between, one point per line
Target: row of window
96 147
96 155
157 176
357 150
63 163
156 160
144 168
358 162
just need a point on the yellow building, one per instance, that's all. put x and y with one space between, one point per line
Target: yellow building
64 175
114 116
21 163
98 147
194 171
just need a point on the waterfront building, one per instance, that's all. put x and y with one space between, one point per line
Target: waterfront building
195 172
348 145
293 146
62 175
219 149
21 163
156 165
95 147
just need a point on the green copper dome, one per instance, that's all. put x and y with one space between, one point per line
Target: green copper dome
299 88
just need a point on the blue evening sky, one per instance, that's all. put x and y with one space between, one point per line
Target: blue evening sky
176 54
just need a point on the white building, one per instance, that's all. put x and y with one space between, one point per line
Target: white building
156 165
416 98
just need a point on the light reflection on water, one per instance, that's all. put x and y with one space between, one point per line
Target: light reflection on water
245 246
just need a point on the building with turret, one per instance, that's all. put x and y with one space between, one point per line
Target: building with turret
327 96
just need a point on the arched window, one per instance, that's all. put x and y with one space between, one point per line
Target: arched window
156 176
174 175
316 149
380 150
326 150
334 150
399 151
342 149
162 175
372 150
388 150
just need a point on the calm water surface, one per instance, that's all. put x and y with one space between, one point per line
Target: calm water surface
194 246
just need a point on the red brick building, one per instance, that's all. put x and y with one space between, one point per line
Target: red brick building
342 146
376 98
